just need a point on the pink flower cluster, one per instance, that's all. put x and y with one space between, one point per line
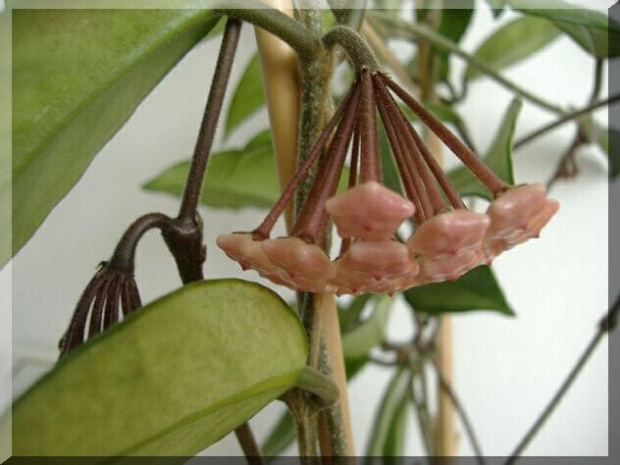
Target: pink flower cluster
448 239
443 248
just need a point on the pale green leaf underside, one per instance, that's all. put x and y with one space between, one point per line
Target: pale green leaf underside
498 158
477 289
170 380
78 75
595 32
512 43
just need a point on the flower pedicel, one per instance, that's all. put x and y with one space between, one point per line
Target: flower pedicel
448 241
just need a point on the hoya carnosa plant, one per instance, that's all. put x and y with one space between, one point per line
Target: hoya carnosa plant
448 239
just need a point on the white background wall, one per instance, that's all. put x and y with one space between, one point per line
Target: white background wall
506 369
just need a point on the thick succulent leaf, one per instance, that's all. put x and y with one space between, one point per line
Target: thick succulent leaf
595 32
388 410
357 342
235 179
78 75
498 158
170 380
248 97
512 43
477 289
609 140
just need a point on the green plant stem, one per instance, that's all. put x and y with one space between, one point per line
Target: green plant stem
358 51
425 422
292 32
566 119
424 32
469 429
608 323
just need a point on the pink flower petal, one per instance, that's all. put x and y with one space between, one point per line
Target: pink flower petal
450 234
382 259
369 211
298 258
516 216
249 254
451 268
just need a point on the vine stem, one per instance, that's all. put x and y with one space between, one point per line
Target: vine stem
566 119
606 325
211 116
269 16
424 32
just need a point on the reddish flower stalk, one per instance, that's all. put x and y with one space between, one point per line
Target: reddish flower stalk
469 158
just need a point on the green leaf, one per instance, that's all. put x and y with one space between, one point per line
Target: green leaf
78 75
282 435
349 316
477 289
235 179
370 333
389 409
609 140
497 7
455 21
595 32
512 43
498 158
170 380
248 97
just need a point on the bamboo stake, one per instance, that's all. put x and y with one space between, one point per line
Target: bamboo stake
280 70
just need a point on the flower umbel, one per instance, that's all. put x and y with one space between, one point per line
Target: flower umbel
448 239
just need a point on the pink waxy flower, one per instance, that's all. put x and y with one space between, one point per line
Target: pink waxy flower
369 211
516 216
306 265
451 267
450 234
249 254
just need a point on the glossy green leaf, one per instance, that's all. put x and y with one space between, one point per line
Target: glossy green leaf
477 289
170 380
248 97
609 140
235 179
78 75
498 158
371 332
512 43
388 410
595 32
